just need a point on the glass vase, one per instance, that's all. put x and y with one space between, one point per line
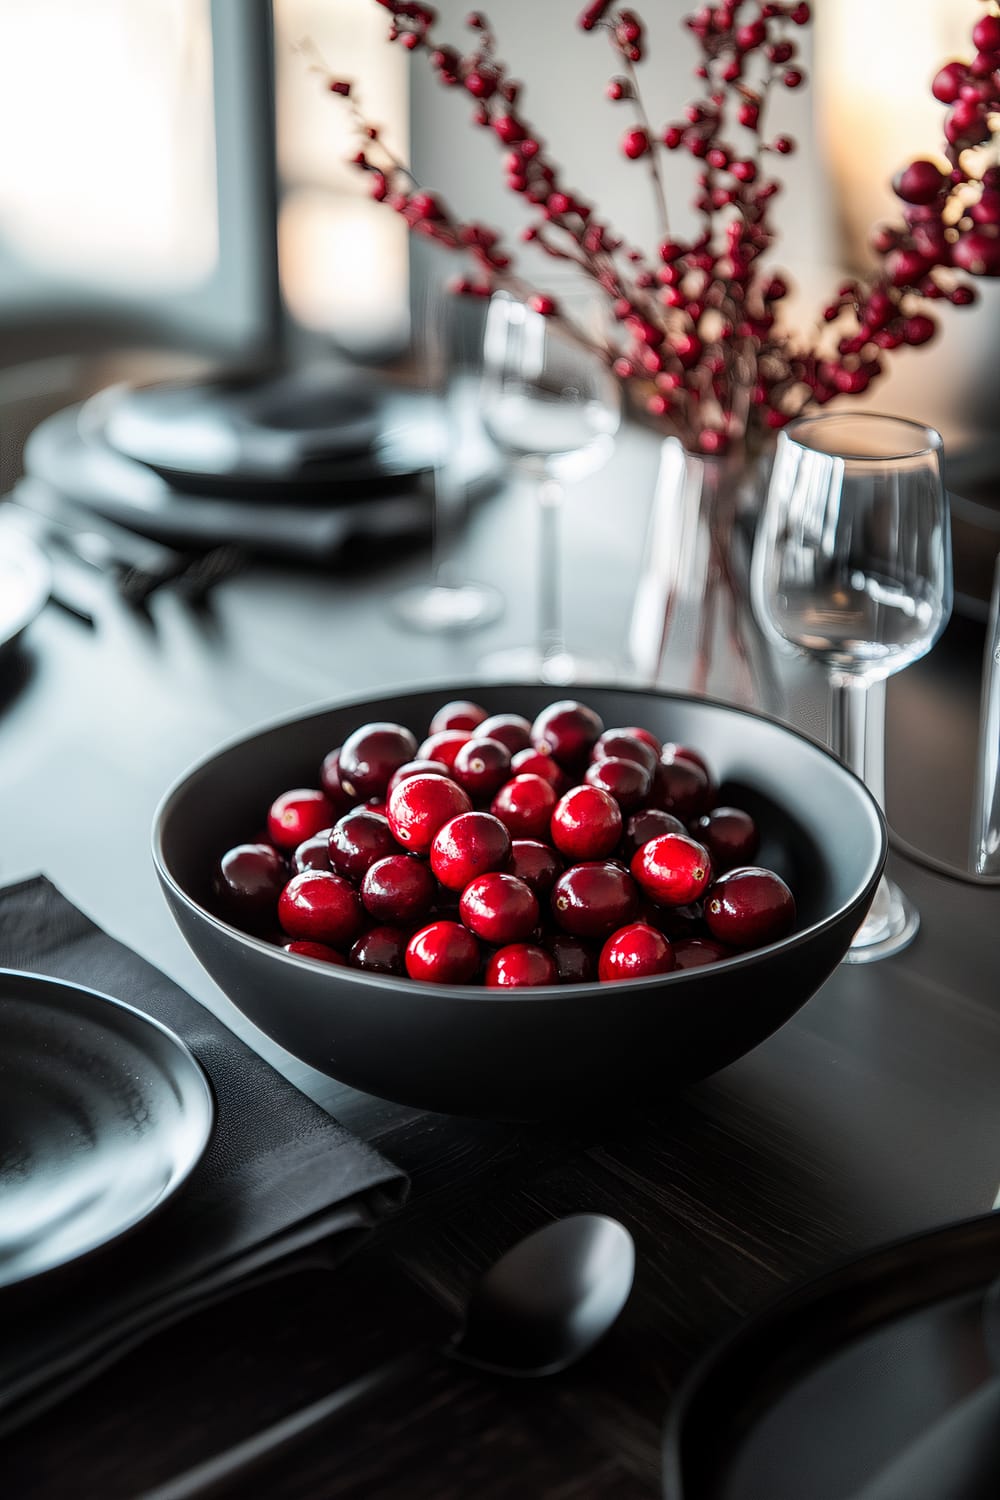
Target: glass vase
693 629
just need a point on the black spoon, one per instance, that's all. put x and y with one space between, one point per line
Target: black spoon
539 1309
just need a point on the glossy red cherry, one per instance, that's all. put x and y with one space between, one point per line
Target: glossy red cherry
398 889
730 835
535 863
510 729
591 900
295 816
748 908
520 965
524 805
416 768
575 960
357 840
682 788
467 846
420 806
314 853
320 907
329 780
369 756
567 731
443 746
459 714
321 951
624 744
673 869
634 952
648 824
626 781
443 953
380 950
586 823
499 908
698 953
637 732
248 882
672 752
481 766
531 762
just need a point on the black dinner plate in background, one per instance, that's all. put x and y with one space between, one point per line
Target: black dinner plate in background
265 427
311 515
820 1395
103 1114
313 435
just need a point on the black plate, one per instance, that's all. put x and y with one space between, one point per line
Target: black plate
103 1114
312 518
841 1384
267 427
271 440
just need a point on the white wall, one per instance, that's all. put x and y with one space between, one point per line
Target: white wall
564 71
951 382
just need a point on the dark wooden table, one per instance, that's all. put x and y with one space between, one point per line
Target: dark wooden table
875 1112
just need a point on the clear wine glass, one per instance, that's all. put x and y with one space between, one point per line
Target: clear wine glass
852 566
448 348
552 406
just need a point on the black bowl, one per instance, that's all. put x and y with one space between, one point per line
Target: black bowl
527 1054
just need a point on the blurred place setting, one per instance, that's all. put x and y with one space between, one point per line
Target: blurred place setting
499 749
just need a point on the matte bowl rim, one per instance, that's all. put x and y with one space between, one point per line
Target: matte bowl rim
528 993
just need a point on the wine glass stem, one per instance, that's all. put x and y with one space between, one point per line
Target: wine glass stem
857 725
550 636
448 509
854 733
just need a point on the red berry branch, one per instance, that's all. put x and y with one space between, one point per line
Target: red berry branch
697 341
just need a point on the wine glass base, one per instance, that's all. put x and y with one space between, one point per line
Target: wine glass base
527 664
438 608
890 926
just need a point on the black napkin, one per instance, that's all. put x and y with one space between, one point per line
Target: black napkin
279 1179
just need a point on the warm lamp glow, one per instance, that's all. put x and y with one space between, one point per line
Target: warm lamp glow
343 266
873 66
107 123
343 258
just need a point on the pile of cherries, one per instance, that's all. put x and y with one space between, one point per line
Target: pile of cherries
508 853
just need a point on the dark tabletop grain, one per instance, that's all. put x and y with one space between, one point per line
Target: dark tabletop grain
875 1112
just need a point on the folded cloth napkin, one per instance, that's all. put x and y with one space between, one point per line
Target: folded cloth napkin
280 1178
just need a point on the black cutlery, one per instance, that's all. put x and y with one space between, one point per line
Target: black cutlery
138 564
539 1309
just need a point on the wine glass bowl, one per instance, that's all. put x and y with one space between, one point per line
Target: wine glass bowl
859 576
552 406
852 567
549 400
